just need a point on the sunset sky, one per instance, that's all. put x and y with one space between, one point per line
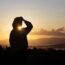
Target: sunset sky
44 14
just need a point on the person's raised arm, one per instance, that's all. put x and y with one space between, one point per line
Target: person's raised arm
29 26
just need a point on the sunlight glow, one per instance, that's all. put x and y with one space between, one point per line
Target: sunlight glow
19 27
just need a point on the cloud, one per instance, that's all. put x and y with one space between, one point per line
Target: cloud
57 32
61 29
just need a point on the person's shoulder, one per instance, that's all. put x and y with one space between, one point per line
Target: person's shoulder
23 29
11 31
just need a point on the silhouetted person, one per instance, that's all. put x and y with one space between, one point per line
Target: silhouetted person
18 38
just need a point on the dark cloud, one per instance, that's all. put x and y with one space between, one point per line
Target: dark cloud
61 29
57 32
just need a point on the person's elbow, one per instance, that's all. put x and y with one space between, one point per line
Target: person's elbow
30 26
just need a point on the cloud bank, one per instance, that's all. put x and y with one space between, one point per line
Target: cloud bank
57 32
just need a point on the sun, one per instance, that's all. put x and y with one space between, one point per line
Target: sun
19 27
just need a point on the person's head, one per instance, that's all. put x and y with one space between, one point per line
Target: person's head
17 22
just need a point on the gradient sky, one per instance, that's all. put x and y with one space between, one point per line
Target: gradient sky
47 14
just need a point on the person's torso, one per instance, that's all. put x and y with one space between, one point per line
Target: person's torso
19 39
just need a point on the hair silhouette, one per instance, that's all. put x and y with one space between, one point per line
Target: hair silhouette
18 39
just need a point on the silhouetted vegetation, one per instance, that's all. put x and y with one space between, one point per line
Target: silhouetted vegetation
32 56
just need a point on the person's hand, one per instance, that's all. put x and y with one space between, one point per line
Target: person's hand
22 18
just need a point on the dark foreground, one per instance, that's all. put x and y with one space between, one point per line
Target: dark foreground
32 57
